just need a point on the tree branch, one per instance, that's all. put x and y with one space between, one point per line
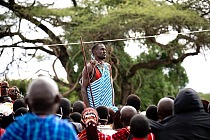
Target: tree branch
22 12
7 33
153 64
27 48
9 64
74 2
73 87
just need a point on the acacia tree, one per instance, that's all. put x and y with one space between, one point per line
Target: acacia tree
105 19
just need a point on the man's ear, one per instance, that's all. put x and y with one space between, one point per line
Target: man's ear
26 100
57 99
27 103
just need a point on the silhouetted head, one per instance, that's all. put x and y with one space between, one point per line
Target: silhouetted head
103 114
165 107
134 100
126 113
76 117
139 126
18 103
117 122
43 96
111 116
187 100
151 112
64 107
79 106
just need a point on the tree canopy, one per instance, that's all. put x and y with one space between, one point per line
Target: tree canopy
154 73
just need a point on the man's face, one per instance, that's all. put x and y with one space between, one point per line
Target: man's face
100 52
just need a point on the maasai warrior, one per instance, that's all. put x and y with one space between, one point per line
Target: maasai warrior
100 91
90 121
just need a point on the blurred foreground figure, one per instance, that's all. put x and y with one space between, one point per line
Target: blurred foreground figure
189 122
140 129
43 100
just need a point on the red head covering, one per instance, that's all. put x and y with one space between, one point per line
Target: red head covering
89 116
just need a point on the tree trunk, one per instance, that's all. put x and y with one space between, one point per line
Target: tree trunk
127 89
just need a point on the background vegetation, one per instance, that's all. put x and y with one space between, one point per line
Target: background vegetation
155 73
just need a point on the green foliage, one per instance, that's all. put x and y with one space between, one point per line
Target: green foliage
154 86
40 57
135 15
21 84
144 16
108 19
204 96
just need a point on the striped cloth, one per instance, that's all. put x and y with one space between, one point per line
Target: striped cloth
33 127
102 90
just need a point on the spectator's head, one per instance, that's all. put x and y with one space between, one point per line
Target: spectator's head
111 116
133 100
117 124
126 113
205 105
151 112
43 96
76 117
4 88
18 103
139 126
103 114
64 108
13 93
165 107
187 100
90 121
79 106
20 111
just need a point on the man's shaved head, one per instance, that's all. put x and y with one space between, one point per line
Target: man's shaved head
165 107
43 96
127 112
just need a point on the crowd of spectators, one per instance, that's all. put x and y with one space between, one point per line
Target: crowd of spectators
44 114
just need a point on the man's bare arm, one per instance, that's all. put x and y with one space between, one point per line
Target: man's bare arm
85 84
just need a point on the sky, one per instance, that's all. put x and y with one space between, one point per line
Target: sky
197 67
